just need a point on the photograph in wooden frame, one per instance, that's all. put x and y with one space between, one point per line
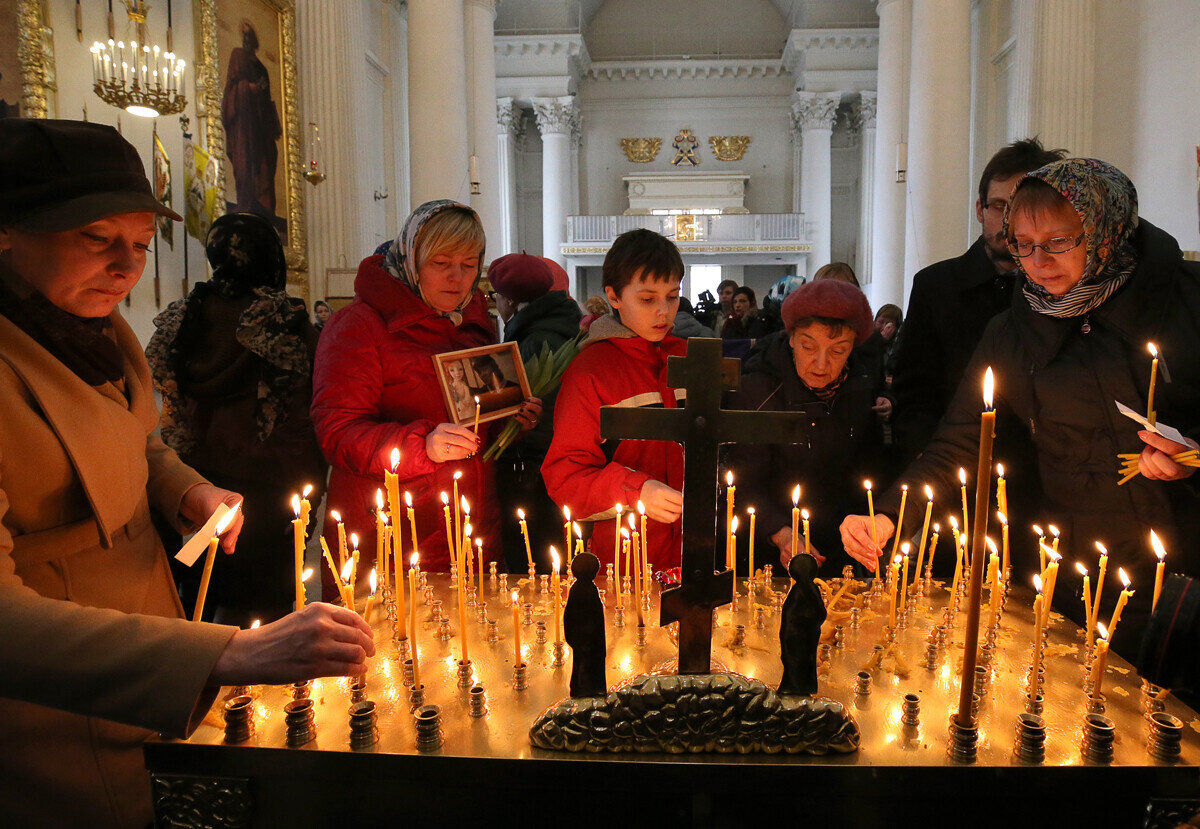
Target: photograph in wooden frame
252 122
493 373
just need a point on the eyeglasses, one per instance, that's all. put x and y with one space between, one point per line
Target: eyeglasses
1059 244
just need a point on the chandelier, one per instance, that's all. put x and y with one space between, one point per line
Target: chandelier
136 76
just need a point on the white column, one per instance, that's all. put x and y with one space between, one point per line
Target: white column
1054 73
437 104
864 121
815 113
555 117
797 163
939 132
336 102
891 131
508 127
479 18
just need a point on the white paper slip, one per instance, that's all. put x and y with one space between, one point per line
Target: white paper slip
198 543
1169 432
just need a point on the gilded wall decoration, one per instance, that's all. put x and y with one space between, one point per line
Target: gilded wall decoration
641 150
729 147
27 73
686 146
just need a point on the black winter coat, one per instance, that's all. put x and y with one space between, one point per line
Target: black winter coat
551 318
1057 381
844 448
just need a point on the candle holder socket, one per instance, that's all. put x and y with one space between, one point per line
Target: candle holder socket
559 652
416 697
443 632
911 710
964 740
931 652
504 589
1031 739
478 702
739 637
824 653
1095 703
839 636
298 717
429 593
429 728
1152 698
1034 703
406 670
1166 734
422 580
520 677
640 637
544 584
402 649
493 632
760 618
540 635
862 684
619 617
358 690
855 617
527 614
608 573
239 719
532 573
301 690
767 568
981 680
436 612
492 571
465 670
481 613
1098 733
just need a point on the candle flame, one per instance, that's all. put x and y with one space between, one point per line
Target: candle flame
953 522
457 474
867 485
796 495
575 526
395 457
1037 583
347 569
1124 578
1083 571
633 522
445 499
904 488
904 549
750 510
379 498
928 492
620 509
1000 470
991 545
729 478
374 580
467 530
296 505
354 540
1002 518
1037 529
479 543
414 560
383 518
962 476
256 624
520 514
1159 550
1053 530
336 516
515 597
804 514
476 400
896 561
641 508
1054 556
307 574
1152 349
408 498
227 519
937 528
465 504
567 513
554 561
1103 550
989 384
733 525
625 533
308 488
1102 630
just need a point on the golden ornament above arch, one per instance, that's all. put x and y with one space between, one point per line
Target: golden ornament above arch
729 147
641 150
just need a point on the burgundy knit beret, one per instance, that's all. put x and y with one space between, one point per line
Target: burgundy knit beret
520 277
831 299
561 281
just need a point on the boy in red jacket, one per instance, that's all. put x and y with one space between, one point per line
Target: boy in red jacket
624 363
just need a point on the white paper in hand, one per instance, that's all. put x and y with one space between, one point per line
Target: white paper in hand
1160 428
198 543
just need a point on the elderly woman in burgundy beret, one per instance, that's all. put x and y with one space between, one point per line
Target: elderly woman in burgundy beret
810 368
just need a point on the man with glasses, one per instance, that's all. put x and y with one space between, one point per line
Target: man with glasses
952 301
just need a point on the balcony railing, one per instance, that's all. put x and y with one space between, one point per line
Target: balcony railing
726 228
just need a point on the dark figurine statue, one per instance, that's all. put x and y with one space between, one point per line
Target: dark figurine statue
800 629
583 626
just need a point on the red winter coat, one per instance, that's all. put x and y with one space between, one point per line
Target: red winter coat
615 368
374 388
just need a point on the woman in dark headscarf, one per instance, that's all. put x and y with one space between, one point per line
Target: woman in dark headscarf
233 362
1099 284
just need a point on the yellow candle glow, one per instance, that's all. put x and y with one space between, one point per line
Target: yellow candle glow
1099 585
924 534
958 558
1126 595
578 543
1001 489
1101 663
567 529
1151 415
525 535
894 576
993 580
554 589
1087 600
625 550
1002 517
619 508
457 512
954 529
305 508
905 548
1050 578
645 548
392 483
451 549
1041 545
933 546
466 542
807 535
347 595
900 520
374 582
412 519
874 532
637 570
475 426
1053 532
462 604
341 534
733 556
753 573
297 550
962 479
412 641
479 570
222 525
516 614
730 492
1161 552
354 563
1037 636
795 541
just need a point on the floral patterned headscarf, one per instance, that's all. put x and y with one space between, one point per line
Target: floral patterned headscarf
245 253
400 259
1106 202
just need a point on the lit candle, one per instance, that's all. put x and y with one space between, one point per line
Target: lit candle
297 550
1151 415
1087 600
412 519
412 642
374 582
795 541
383 549
645 548
1050 577
954 529
578 543
924 534
479 551
1161 552
525 535
1101 663
894 576
962 479
400 600
807 535
958 545
933 546
391 482
451 549
900 520
617 554
730 492
462 604
1054 532
222 525
567 528
466 564
1126 594
993 579
354 564
305 508
733 557
554 588
1099 585
475 427
1002 517
516 614
983 480
1037 637
752 571
874 532
905 548
457 512
341 534
1001 489
625 549
637 570
347 595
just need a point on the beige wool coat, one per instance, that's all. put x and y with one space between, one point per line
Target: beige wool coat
94 653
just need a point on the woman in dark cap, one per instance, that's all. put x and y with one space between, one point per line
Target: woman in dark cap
233 363
96 655
813 369
1099 283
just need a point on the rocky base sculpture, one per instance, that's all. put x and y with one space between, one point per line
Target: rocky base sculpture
696 713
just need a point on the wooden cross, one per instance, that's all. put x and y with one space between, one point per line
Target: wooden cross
701 426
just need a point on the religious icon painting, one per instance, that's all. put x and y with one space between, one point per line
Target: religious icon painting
686 149
493 374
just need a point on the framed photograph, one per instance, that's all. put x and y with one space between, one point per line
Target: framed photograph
27 74
493 373
246 93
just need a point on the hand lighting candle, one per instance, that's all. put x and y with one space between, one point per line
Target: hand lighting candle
525 535
874 532
1151 415
1161 552
413 562
1126 595
557 595
924 535
225 523
297 550
1087 600
983 480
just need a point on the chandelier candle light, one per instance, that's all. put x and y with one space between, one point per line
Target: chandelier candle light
987 427
141 79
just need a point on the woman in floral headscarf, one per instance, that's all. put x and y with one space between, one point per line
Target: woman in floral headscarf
233 363
1099 284
375 387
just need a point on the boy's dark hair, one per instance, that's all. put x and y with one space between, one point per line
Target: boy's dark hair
749 293
1018 157
652 253
891 312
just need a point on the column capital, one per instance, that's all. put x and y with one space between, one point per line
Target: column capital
556 115
864 111
487 5
509 118
815 110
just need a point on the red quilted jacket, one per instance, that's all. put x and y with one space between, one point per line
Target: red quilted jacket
374 388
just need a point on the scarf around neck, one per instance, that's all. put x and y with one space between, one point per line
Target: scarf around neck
1106 202
400 258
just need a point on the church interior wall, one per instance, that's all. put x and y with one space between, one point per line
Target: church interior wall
696 29
529 189
845 165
